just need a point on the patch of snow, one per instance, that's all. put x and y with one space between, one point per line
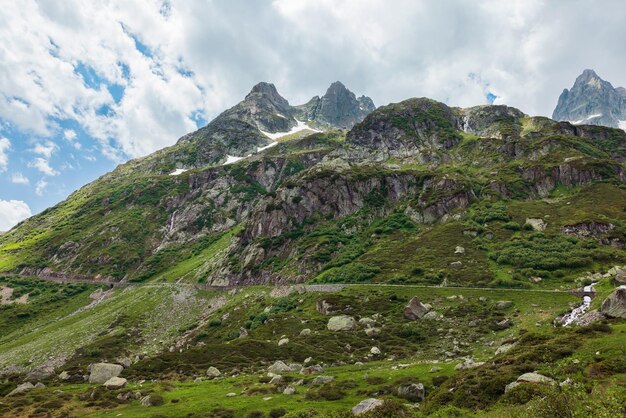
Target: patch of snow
622 124
588 118
230 159
301 126
178 171
259 149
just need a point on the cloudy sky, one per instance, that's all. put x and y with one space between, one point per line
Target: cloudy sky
85 85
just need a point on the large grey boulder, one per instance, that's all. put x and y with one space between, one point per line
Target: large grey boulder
279 367
101 372
213 372
115 383
366 406
614 305
413 392
341 323
529 378
322 380
415 309
23 388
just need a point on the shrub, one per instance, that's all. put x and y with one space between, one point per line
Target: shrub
278 412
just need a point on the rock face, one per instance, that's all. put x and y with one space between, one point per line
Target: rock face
366 406
592 101
614 305
338 108
341 323
101 372
415 309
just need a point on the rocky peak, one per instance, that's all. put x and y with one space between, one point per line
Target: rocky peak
266 94
337 108
592 101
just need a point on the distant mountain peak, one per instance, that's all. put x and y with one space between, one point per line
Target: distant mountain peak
592 101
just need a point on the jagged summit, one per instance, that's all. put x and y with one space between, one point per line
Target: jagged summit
592 101
337 108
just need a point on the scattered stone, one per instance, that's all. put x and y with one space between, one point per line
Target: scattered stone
123 361
39 385
537 224
289 390
536 280
213 372
433 316
322 380
474 323
459 250
453 297
435 369
23 388
101 372
115 383
614 305
456 265
468 364
312 369
375 351
267 398
324 307
341 323
276 380
482 299
243 333
308 360
366 406
64 375
372 332
504 304
505 348
283 341
504 324
620 275
279 367
415 309
231 394
305 332
529 378
146 401
413 392
367 322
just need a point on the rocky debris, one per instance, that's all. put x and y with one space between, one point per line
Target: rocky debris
305 332
123 361
415 309
115 383
588 229
503 324
614 305
468 364
23 388
366 406
64 375
324 307
504 304
279 367
322 380
341 323
375 351
537 224
459 250
367 322
589 318
101 372
529 378
312 369
283 341
213 372
413 392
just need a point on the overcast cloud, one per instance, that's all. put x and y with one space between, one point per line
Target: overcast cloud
85 82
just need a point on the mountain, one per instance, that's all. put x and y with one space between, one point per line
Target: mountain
428 254
338 108
592 101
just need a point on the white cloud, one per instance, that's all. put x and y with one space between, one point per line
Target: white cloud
12 212
40 187
19 178
46 149
5 144
43 166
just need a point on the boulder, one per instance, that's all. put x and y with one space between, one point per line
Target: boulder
537 224
372 332
367 322
375 351
366 406
620 276
504 324
614 305
322 380
243 333
213 372
146 401
312 369
289 390
276 380
115 383
39 385
283 341
413 392
415 309
456 265
64 375
529 378
504 304
101 372
23 388
305 332
279 367
459 250
505 348
123 361
432 315
324 307
468 364
341 323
